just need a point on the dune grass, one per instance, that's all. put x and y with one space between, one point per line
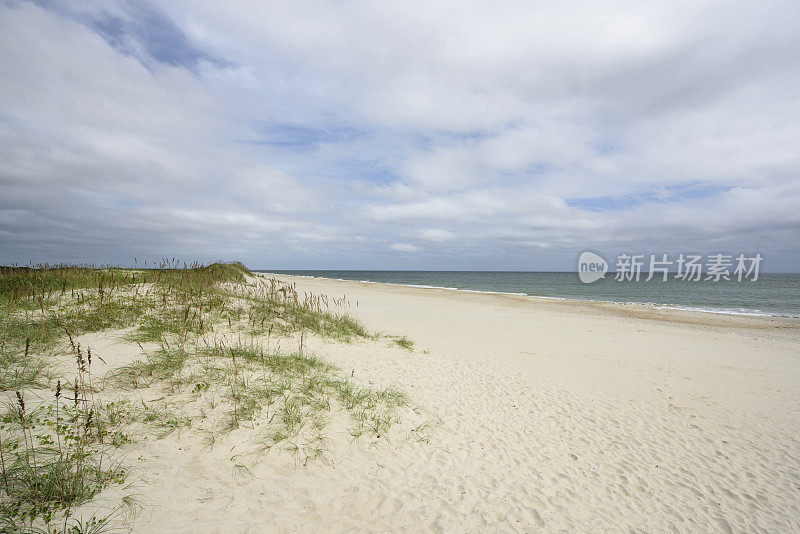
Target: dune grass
404 342
53 457
289 395
301 389
57 456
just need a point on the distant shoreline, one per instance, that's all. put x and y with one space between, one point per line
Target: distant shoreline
656 310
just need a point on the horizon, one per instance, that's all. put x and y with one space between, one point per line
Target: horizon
408 136
31 264
283 270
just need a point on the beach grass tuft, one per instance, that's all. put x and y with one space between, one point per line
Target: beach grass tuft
404 342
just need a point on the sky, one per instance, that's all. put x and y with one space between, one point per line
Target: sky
449 135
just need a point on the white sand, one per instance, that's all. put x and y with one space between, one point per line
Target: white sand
553 415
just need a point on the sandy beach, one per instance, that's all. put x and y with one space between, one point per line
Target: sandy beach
545 416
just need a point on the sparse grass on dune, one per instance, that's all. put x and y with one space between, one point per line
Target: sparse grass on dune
163 364
57 456
404 342
301 389
291 394
54 457
21 368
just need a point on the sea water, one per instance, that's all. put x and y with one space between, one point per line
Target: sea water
770 295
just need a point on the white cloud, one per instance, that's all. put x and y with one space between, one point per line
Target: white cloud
437 235
405 247
486 130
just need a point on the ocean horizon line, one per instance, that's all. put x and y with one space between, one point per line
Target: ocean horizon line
773 295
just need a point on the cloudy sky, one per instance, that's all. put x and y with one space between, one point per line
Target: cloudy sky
400 135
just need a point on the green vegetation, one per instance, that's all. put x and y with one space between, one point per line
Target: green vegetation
404 342
57 456
19 368
53 458
294 394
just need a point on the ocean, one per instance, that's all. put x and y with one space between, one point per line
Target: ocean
770 295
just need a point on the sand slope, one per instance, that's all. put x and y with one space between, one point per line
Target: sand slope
550 416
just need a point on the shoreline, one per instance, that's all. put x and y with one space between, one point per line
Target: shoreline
652 311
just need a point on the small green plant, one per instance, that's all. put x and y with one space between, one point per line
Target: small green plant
20 368
52 458
404 342
165 419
